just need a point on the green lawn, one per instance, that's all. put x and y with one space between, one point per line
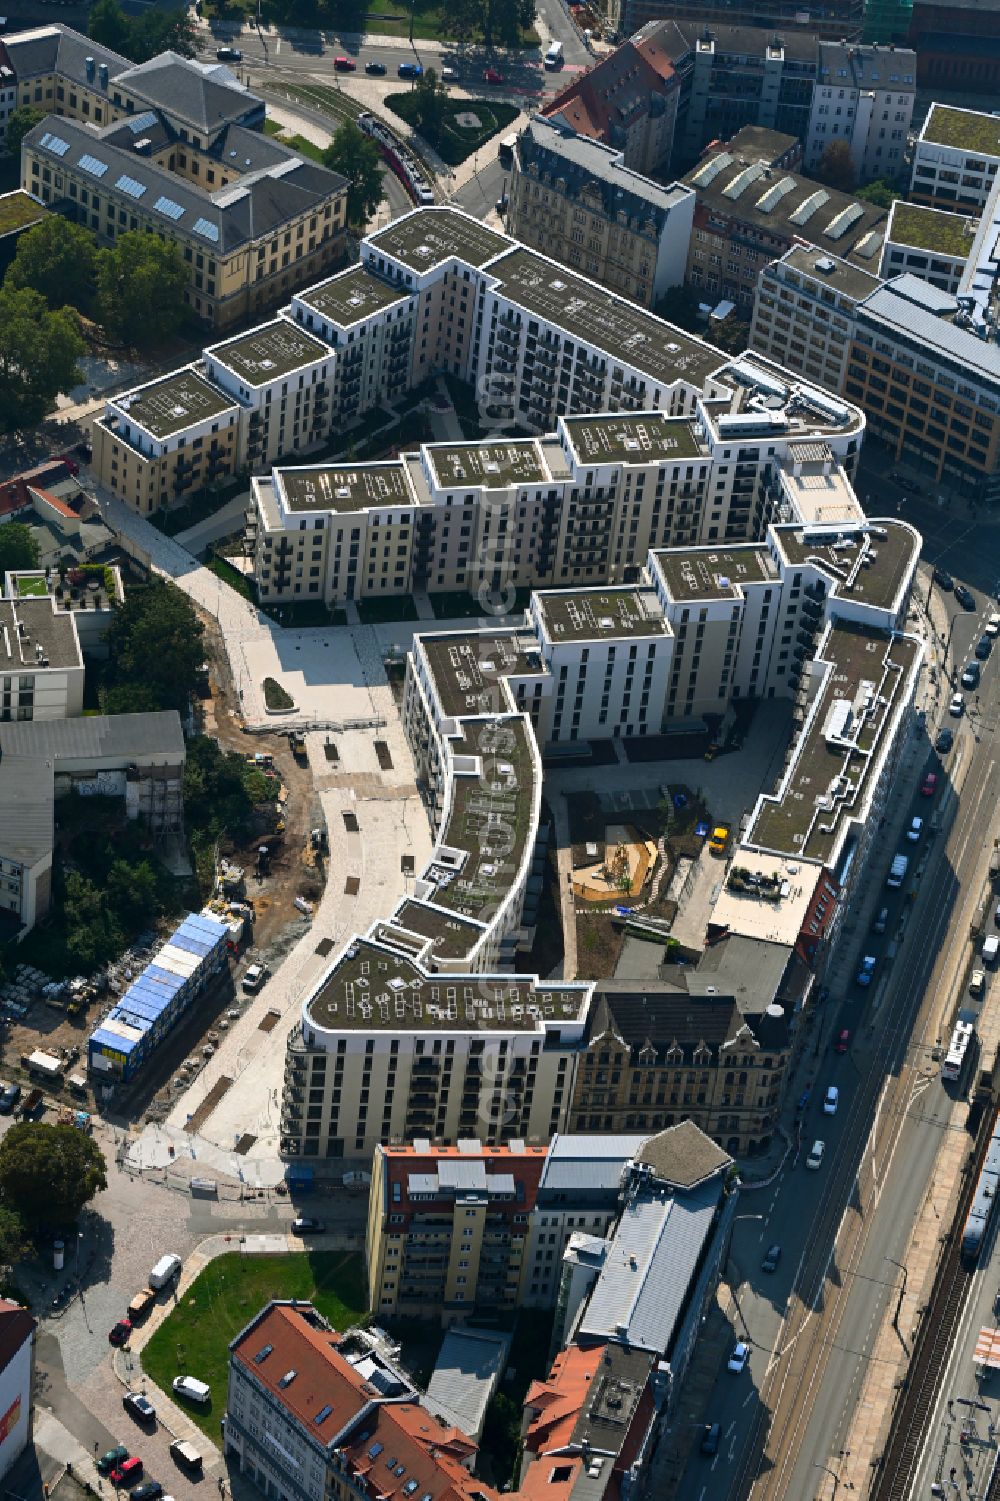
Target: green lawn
377 611
458 141
230 575
31 588
460 605
194 1339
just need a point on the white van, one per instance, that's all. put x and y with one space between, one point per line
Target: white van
166 1270
991 948
186 1454
815 1157
554 56
194 1390
897 871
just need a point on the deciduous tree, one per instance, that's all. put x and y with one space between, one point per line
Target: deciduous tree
430 98
39 348
836 167
55 259
356 157
154 650
21 120
48 1173
18 548
141 282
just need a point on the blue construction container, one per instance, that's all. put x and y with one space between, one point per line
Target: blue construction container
136 1023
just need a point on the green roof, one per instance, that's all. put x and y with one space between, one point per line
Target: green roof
18 210
968 129
352 296
429 236
931 229
600 614
344 487
617 438
172 404
269 352
494 465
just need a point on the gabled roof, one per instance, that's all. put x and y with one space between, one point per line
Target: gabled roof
601 101
58 49
16 1326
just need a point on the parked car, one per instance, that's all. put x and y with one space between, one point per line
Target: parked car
970 675
770 1262
493 75
127 1472
957 706
409 70
253 978
915 830
345 64
229 54
977 982
881 922
843 1041
192 1388
139 1407
866 971
448 74
831 1100
375 70
120 1333
710 1438
305 1225
149 1491
929 785
816 1154
993 626
943 580
738 1359
983 648
113 1460
944 742
965 597
9 1096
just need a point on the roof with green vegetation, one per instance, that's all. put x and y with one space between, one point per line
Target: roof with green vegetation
17 210
450 936
172 404
600 614
429 236
344 487
373 988
968 129
693 573
931 229
352 296
863 677
493 465
469 668
617 438
269 352
867 563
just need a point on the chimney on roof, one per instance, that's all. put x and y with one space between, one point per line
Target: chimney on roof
102 75
89 65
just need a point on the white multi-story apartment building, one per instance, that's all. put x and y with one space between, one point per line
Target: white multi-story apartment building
955 159
804 312
280 376
863 95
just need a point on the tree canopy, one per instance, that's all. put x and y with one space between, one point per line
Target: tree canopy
836 167
56 260
356 157
18 548
20 121
880 192
39 348
430 101
218 789
141 37
154 651
48 1173
141 282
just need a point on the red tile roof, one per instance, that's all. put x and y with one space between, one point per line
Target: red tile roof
407 1454
53 501
557 1401
16 1326
615 91
14 493
323 1377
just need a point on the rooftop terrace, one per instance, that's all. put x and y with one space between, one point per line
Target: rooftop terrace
827 786
714 572
429 236
174 403
483 841
353 295
600 614
870 563
270 352
495 465
372 988
469 667
451 937
623 331
620 439
931 229
968 129
344 487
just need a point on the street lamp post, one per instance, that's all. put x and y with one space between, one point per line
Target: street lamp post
902 1291
827 1471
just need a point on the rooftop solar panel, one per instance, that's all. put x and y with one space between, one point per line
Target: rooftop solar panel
207 228
55 143
169 207
136 123
129 185
93 165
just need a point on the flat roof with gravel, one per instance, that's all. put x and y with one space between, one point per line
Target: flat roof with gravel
829 780
714 572
470 667
429 236
270 352
494 465
600 614
353 295
174 403
968 129
621 439
373 988
870 563
622 330
931 229
344 487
